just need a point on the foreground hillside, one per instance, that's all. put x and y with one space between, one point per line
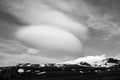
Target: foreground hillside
81 71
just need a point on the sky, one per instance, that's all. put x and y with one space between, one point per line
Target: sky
52 31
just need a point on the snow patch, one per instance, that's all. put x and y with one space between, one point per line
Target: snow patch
88 59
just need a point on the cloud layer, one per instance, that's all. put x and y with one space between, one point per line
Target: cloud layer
47 38
62 35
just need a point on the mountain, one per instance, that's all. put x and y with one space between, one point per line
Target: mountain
94 61
87 68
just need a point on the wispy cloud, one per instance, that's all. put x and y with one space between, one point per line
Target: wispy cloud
10 59
14 52
103 18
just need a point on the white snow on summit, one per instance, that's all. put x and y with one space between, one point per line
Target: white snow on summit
88 59
94 61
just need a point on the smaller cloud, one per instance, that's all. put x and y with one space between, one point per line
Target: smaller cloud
33 51
12 46
104 28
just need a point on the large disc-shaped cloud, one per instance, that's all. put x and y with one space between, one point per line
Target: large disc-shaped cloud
50 38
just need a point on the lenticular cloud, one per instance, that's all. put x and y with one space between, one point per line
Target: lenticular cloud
51 39
62 34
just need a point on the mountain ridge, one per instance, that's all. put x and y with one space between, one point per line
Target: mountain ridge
95 61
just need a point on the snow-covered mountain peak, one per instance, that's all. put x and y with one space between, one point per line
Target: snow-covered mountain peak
88 59
94 61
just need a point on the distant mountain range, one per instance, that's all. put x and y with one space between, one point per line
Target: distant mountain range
84 62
